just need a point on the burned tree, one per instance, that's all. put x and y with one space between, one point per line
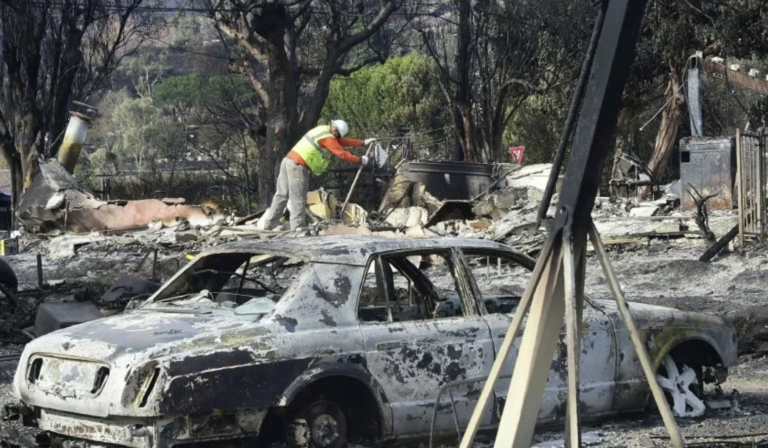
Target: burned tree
672 32
291 50
54 53
487 68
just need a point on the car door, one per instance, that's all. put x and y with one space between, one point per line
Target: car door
420 335
501 278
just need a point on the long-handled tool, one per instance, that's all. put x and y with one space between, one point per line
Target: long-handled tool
380 159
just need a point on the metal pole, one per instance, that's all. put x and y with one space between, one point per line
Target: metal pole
759 189
578 95
694 96
740 185
354 182
761 157
39 271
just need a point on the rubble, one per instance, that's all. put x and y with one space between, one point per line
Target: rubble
505 212
407 217
354 215
322 205
55 316
589 438
57 202
534 178
127 288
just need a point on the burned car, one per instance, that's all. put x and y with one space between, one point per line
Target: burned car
322 340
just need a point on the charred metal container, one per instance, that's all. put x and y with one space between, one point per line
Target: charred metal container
709 165
451 180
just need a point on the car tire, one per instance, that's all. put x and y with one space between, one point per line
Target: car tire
682 386
325 422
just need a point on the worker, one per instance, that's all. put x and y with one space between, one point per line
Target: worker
311 153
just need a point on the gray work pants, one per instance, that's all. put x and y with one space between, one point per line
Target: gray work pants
292 184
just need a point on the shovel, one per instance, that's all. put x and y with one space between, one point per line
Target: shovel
380 157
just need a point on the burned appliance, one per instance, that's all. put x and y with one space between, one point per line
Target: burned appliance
709 165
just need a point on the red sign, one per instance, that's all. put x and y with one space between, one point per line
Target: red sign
517 153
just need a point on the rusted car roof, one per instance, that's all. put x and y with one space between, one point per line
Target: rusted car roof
347 249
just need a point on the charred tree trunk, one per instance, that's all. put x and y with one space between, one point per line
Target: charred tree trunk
282 110
17 177
458 153
497 133
625 136
17 181
467 134
28 150
12 159
62 91
670 122
463 100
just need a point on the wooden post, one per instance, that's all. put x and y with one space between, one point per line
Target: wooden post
506 345
573 342
640 352
534 358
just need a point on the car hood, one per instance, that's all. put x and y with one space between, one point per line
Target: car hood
133 347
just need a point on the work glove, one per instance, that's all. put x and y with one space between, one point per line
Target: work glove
368 141
364 160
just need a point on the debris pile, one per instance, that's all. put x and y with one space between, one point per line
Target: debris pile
57 202
505 210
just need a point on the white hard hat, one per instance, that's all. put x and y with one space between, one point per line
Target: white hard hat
342 126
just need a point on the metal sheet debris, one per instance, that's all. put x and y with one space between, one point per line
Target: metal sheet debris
709 165
57 202
55 316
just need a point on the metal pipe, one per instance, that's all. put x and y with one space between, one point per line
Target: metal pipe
74 137
694 96
442 390
354 183
39 271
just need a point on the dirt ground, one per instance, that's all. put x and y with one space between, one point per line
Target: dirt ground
661 272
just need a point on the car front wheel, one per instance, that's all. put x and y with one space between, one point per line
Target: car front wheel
682 387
